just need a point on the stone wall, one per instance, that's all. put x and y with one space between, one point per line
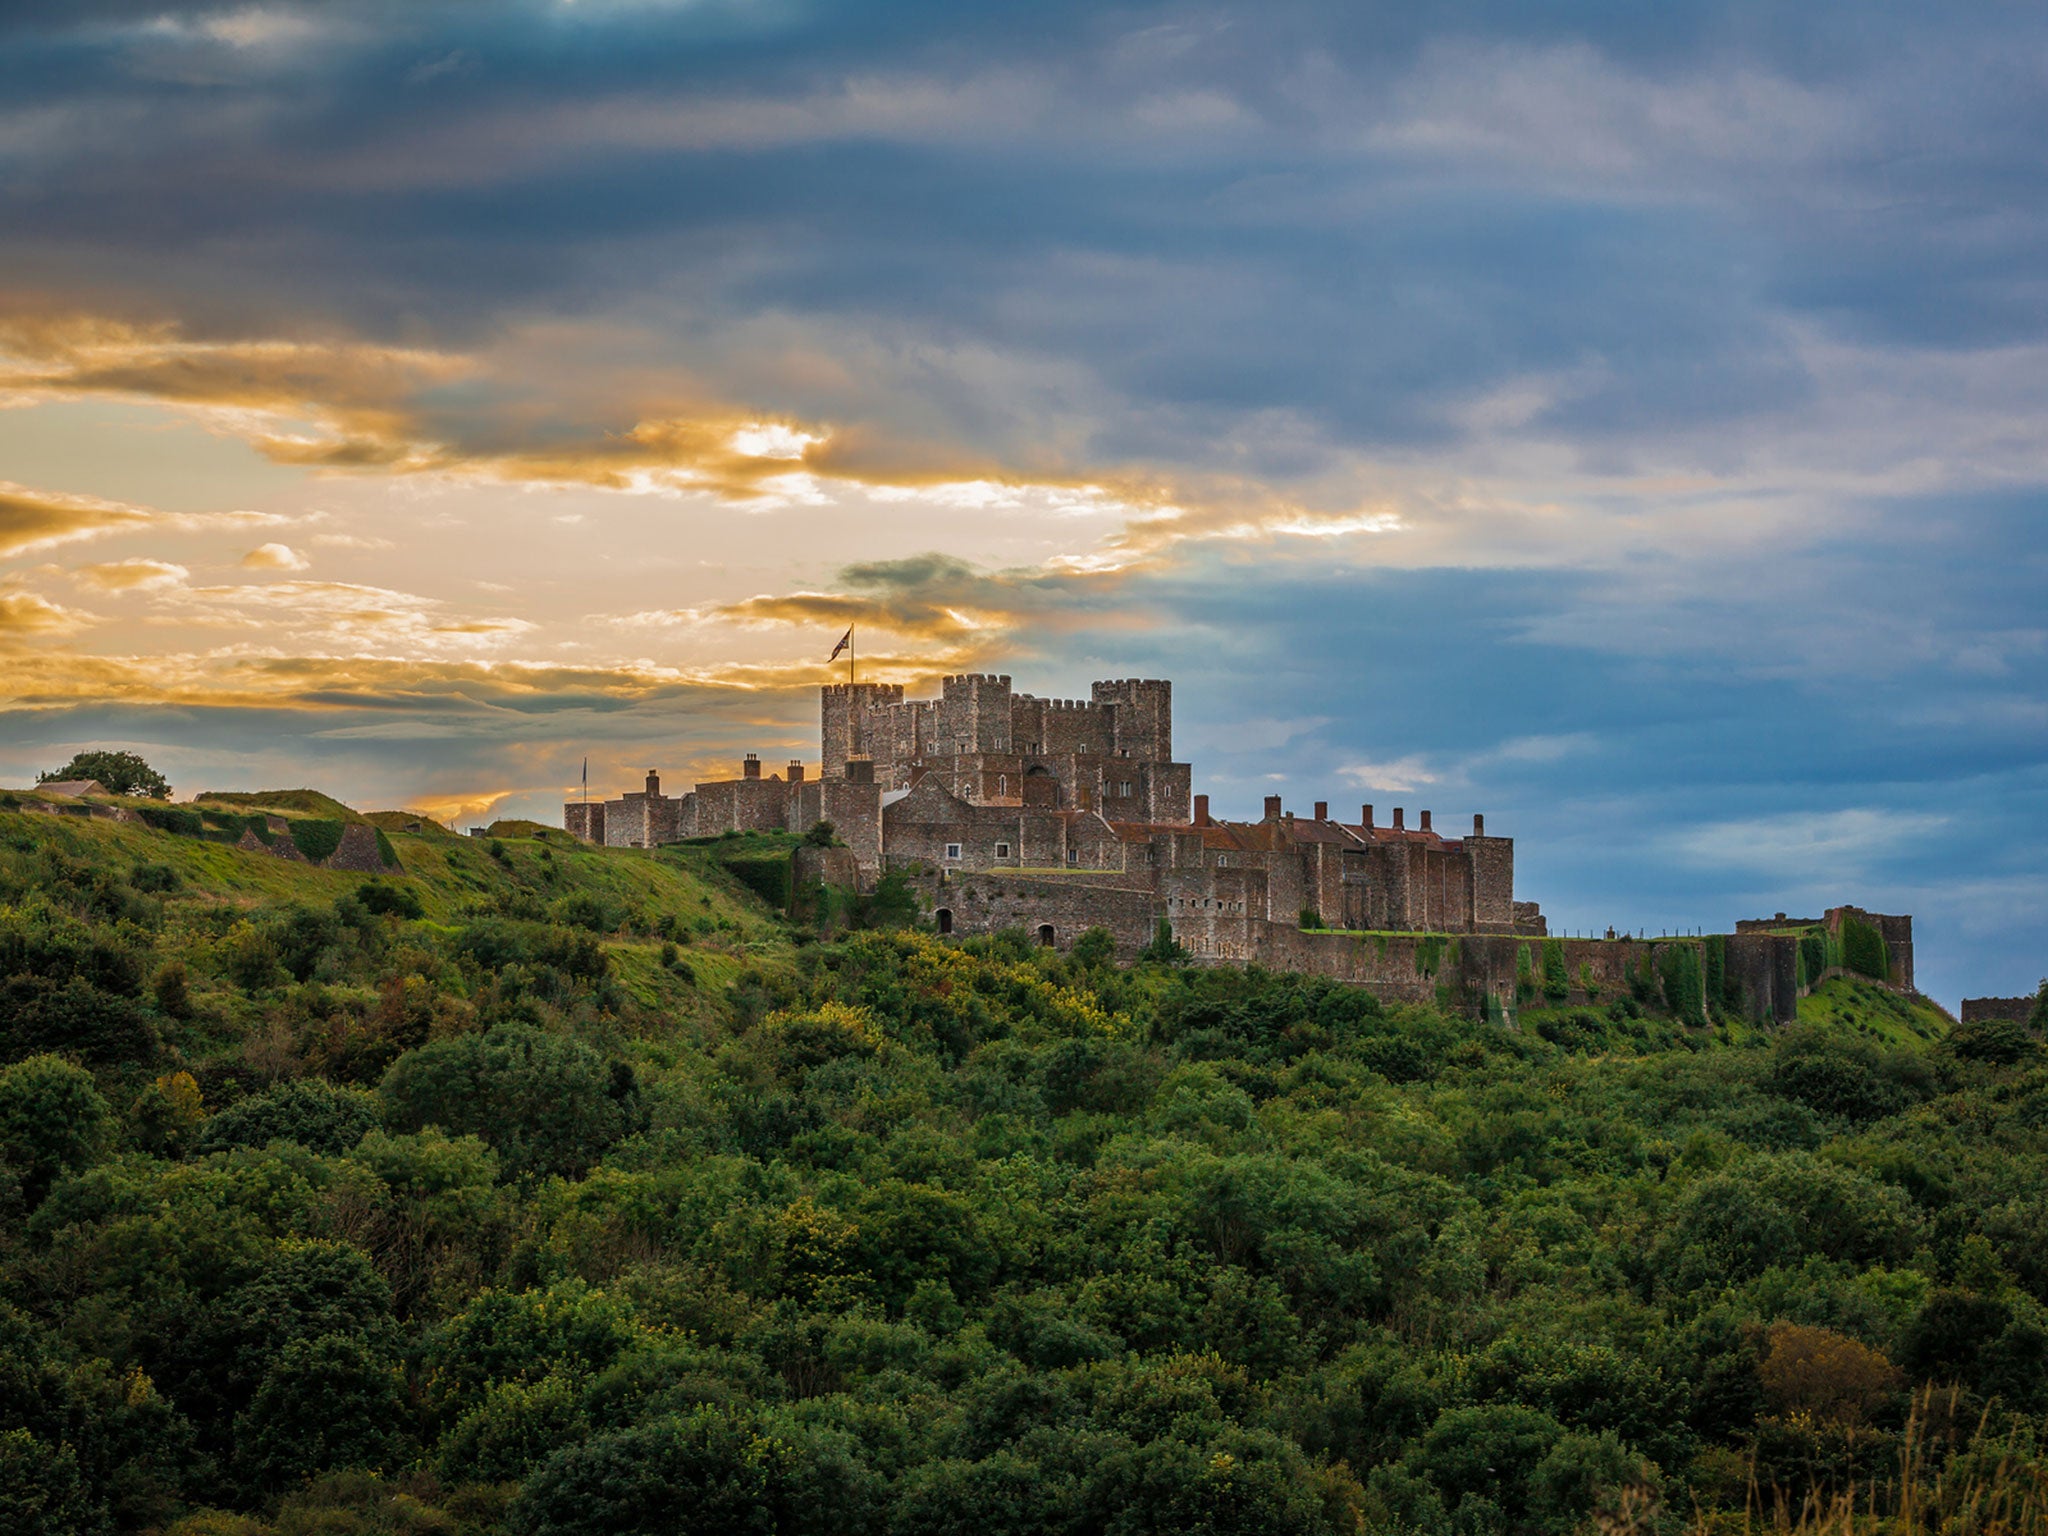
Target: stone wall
1068 905
1982 1010
585 819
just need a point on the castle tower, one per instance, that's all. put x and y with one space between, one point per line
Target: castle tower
852 723
1141 717
974 715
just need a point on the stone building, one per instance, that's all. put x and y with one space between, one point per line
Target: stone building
1080 805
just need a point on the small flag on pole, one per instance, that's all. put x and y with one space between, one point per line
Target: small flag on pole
844 641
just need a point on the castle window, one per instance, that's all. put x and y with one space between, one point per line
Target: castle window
952 850
1073 855
1124 789
1002 850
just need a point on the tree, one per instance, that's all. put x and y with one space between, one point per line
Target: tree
52 1121
823 835
119 773
315 1114
712 1472
326 1403
546 1104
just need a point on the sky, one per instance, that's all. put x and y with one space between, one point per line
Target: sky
1627 421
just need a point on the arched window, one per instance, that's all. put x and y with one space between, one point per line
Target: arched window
1045 935
944 918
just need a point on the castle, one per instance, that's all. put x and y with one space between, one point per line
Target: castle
1059 815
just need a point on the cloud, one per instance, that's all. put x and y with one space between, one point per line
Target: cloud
25 614
137 575
1831 849
1401 775
32 520
274 557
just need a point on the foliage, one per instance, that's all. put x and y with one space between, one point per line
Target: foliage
545 1104
450 1204
823 835
119 773
52 1121
1863 949
315 838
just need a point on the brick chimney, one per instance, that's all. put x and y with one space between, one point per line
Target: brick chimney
1425 821
796 771
751 768
1272 807
1478 825
1322 810
1201 810
1365 817
1398 814
653 783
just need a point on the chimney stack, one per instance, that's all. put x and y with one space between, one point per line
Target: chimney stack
1399 812
1201 810
796 771
1478 825
1322 810
1365 817
751 768
653 783
1272 807
1425 821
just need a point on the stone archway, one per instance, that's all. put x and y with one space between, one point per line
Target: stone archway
1046 937
944 918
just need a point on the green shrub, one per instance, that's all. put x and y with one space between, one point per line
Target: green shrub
1863 949
765 874
317 839
1684 985
1557 984
317 1115
173 818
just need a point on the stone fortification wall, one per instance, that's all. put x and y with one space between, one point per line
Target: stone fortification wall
855 811
1141 716
1409 967
1069 905
1897 931
742 805
1984 1010
584 819
1050 728
851 719
1493 880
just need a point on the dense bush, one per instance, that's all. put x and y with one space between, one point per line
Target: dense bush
323 1216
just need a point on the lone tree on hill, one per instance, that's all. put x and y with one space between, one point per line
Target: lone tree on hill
120 773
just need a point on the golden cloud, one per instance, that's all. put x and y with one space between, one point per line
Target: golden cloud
138 575
31 520
24 613
274 557
343 405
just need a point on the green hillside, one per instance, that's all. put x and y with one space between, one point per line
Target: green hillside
546 1190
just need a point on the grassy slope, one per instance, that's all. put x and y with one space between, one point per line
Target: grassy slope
1857 1007
457 878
